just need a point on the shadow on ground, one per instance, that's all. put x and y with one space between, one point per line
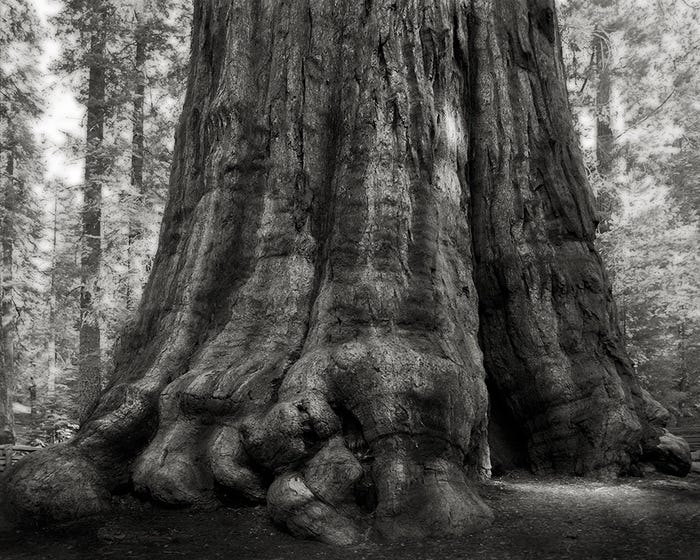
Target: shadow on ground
655 517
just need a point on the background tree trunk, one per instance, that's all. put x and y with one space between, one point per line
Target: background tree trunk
53 326
606 199
605 141
89 352
373 208
137 153
7 312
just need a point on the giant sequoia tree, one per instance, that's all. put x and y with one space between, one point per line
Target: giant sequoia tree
377 210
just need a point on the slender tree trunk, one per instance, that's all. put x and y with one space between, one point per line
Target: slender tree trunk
605 142
683 383
137 159
374 206
95 169
7 313
51 343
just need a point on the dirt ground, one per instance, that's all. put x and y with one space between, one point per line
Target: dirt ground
654 517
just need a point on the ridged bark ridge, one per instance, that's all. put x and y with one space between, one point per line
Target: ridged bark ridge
365 197
548 331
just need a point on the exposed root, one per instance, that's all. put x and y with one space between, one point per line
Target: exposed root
293 504
53 485
289 432
421 495
231 467
173 468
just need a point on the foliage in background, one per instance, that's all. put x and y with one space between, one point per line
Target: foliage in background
651 242
20 171
48 263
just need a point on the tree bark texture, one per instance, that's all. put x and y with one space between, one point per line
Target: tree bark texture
7 312
95 169
376 209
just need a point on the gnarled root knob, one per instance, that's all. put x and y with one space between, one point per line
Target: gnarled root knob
319 502
53 485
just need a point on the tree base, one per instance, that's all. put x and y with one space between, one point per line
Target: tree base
332 499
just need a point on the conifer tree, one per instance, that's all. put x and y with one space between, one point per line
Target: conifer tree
19 105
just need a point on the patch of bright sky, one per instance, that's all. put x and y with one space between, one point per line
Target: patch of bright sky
64 116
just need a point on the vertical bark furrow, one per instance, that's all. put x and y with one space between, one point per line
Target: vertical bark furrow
541 284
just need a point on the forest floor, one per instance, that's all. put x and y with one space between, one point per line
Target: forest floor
536 518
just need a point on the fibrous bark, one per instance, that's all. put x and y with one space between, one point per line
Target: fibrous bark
375 208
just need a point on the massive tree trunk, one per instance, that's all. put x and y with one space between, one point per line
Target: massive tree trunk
89 366
7 312
375 209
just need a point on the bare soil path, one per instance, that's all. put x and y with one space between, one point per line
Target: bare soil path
654 517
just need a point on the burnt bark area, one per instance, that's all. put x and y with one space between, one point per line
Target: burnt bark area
375 208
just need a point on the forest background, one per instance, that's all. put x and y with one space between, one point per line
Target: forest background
87 125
